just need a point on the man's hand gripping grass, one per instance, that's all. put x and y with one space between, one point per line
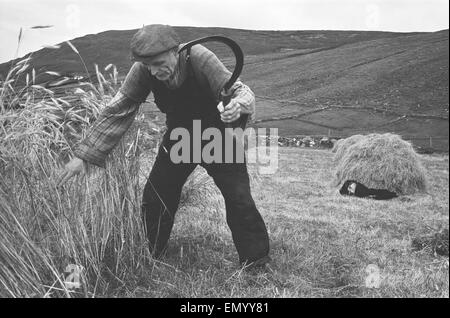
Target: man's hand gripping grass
74 167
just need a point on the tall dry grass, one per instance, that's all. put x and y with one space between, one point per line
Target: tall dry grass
94 222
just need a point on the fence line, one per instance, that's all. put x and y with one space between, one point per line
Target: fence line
379 110
291 116
428 144
349 135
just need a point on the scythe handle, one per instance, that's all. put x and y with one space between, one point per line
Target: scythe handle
226 93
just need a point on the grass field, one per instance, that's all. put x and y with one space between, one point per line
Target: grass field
321 242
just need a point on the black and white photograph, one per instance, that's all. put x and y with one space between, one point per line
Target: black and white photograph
224 155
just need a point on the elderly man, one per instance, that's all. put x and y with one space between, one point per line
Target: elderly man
187 88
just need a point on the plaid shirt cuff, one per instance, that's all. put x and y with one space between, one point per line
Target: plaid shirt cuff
90 154
246 98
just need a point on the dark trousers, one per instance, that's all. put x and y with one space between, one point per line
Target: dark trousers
162 196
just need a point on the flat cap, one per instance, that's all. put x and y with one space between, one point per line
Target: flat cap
152 40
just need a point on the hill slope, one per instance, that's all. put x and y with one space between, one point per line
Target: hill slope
295 71
400 77
113 46
408 73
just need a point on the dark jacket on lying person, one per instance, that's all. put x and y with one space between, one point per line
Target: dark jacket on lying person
352 187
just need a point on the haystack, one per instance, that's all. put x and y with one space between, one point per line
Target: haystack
380 161
341 146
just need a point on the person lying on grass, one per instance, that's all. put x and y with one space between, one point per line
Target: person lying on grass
357 189
187 87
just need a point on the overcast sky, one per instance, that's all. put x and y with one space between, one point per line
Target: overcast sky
74 18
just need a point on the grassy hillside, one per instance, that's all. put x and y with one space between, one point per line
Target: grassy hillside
113 46
295 71
407 73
